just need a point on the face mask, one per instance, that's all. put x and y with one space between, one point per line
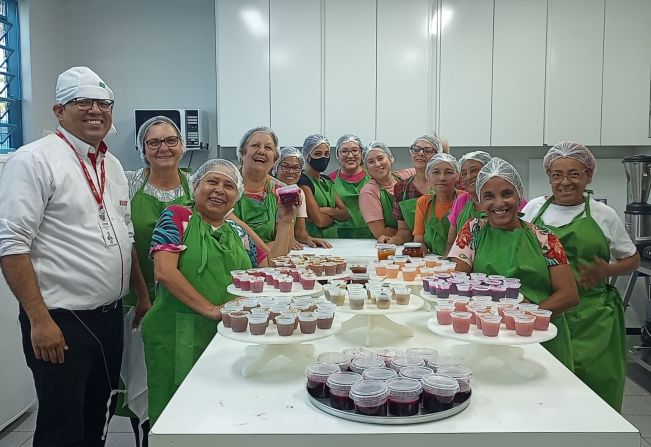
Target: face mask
319 164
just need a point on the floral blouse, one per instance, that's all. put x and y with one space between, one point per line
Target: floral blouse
466 243
168 234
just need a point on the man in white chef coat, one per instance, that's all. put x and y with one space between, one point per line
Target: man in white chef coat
65 250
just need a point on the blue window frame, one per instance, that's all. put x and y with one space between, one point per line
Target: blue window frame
11 134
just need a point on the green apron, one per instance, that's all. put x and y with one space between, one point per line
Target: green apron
436 231
260 216
408 207
324 195
597 323
517 253
174 335
145 211
355 227
387 201
467 212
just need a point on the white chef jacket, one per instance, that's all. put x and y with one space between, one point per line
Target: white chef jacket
48 210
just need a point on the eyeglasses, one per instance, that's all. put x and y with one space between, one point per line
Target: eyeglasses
288 168
347 152
85 104
422 150
155 143
573 176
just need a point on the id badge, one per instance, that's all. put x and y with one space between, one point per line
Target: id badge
107 234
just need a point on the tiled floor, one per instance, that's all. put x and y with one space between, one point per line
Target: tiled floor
636 409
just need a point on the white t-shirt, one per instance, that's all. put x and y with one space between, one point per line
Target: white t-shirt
611 225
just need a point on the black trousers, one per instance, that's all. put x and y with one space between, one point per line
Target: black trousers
73 395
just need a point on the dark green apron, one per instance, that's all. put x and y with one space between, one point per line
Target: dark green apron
596 324
517 253
145 211
324 195
260 216
468 212
436 231
174 335
387 201
355 227
408 206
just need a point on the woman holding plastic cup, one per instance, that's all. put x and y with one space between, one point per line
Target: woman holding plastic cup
349 180
501 243
376 197
592 235
288 170
431 224
194 249
324 207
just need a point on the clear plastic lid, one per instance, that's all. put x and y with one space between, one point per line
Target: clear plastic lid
415 372
379 373
406 360
422 352
340 383
413 245
541 312
320 372
357 353
456 372
307 316
334 357
441 385
360 364
402 387
444 360
369 392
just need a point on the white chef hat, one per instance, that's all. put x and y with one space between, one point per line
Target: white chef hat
81 82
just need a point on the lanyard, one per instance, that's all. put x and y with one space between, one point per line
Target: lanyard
99 196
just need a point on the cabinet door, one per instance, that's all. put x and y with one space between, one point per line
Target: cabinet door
295 48
405 102
350 69
242 68
518 102
466 46
574 71
627 73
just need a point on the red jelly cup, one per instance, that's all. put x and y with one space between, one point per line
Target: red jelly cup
524 325
370 397
490 325
404 396
461 322
289 195
339 385
438 392
543 317
443 316
317 376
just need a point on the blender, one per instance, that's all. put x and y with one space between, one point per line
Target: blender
637 217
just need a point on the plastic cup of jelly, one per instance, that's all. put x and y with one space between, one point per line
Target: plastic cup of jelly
239 320
409 273
338 358
443 314
438 392
289 195
461 322
377 373
422 352
285 324
392 271
460 303
543 316
524 325
307 322
356 300
490 325
404 361
388 354
443 360
404 396
360 364
462 375
370 397
339 385
403 294
415 372
258 323
508 317
383 300
317 376
229 307
324 318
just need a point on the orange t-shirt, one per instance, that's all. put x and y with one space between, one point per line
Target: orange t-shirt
423 209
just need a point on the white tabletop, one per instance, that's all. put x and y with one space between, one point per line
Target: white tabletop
216 405
352 249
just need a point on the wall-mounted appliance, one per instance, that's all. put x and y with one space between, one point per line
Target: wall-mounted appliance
192 123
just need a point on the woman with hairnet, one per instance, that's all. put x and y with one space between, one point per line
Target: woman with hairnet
258 206
597 247
431 222
324 207
288 170
502 244
376 197
406 192
349 180
194 250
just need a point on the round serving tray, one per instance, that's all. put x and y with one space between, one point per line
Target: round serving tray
297 290
323 405
345 274
506 337
415 303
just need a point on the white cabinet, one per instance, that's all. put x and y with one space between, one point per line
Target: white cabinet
626 73
519 44
466 46
574 71
405 71
243 98
350 69
295 76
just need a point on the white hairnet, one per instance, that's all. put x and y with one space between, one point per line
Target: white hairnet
349 137
441 157
249 133
286 152
570 149
313 141
377 146
480 156
502 169
219 166
144 128
431 139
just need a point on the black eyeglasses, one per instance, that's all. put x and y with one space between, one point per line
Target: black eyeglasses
288 168
85 104
155 143
424 150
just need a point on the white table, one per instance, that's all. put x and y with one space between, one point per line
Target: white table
215 405
352 249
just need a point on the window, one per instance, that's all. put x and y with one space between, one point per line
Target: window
11 135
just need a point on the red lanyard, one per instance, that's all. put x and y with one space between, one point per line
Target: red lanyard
99 196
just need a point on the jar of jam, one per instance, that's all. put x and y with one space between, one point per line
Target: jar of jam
385 250
413 249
